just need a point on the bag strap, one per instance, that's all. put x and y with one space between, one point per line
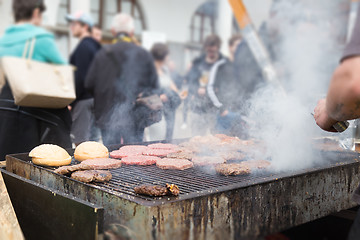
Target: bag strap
2 77
31 50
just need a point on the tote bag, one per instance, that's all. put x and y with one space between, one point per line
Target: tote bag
38 84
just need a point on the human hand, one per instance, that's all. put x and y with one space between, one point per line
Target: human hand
322 118
224 113
164 98
201 91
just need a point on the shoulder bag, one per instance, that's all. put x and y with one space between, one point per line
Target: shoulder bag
38 84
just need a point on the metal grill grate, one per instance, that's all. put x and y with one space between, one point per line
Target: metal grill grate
190 181
197 181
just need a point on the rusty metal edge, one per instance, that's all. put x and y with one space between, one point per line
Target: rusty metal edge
250 183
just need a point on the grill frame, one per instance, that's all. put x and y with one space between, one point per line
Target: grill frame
244 210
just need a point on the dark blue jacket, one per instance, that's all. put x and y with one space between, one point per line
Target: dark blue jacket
81 58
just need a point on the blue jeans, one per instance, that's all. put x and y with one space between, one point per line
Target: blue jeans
226 124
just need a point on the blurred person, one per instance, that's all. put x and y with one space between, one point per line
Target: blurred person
23 128
169 93
204 113
82 109
177 78
343 101
223 90
247 72
96 33
118 75
185 97
233 44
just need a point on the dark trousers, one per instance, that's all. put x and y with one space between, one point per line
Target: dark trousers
169 115
122 135
21 132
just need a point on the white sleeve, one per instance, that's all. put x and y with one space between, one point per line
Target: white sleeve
210 86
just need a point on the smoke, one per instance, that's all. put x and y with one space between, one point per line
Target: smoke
307 52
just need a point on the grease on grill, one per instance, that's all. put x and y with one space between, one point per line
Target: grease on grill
157 190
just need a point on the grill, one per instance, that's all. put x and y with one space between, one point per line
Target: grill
210 206
192 182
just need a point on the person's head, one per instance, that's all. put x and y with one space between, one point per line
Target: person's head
96 33
28 11
159 51
123 23
80 24
234 42
212 46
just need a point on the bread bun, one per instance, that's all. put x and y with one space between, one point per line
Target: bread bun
90 150
50 155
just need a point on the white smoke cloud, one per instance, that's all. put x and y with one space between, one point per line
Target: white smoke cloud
308 52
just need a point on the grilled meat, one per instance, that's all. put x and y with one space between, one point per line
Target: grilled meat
232 169
129 150
207 160
182 154
157 190
158 152
91 164
163 146
140 160
65 170
101 163
231 155
173 189
151 190
259 164
174 163
92 176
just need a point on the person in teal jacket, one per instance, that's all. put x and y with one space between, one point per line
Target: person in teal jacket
12 43
23 128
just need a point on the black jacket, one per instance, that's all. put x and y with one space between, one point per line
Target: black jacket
199 104
224 88
115 84
247 70
81 58
23 128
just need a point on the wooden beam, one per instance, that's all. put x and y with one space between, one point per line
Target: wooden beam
9 225
240 13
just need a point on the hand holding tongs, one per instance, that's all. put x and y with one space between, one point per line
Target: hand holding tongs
340 126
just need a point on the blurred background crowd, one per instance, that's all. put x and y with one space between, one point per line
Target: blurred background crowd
190 53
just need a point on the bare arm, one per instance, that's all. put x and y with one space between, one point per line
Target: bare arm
343 99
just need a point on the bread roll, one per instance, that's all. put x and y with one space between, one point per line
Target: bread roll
50 155
90 150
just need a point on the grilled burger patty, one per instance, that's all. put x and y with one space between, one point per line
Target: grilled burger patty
259 164
101 163
158 152
92 176
151 190
174 163
140 160
157 190
182 153
207 160
91 164
232 169
64 170
129 150
163 146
